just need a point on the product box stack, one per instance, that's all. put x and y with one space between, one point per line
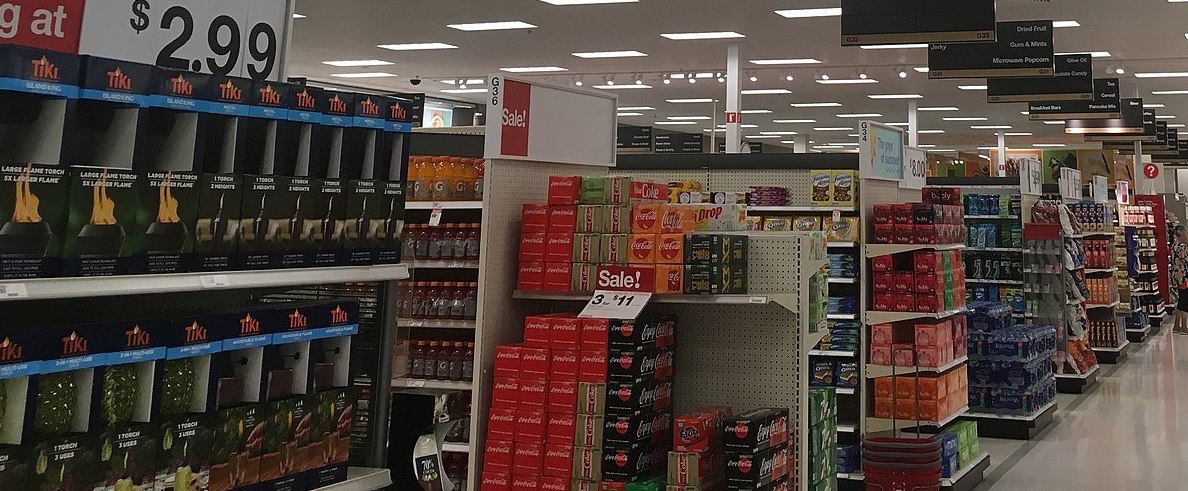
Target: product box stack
1010 368
757 452
822 451
959 447
940 219
697 461
581 403
618 233
923 281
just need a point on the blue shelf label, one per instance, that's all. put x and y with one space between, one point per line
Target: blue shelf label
134 356
246 342
20 369
36 87
116 97
75 363
193 350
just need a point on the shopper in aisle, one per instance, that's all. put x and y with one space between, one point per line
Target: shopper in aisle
1179 264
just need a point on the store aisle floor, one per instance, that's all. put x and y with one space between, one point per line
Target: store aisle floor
1131 432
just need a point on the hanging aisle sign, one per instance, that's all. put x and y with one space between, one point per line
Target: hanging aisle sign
1106 104
880 152
1070 184
1073 81
529 120
1022 49
910 21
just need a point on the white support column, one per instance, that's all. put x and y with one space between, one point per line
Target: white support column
713 139
1138 171
913 124
801 145
733 103
1001 163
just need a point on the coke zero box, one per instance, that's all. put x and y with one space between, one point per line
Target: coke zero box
589 430
637 364
636 397
754 431
655 332
649 427
694 468
754 471
587 463
628 463
591 398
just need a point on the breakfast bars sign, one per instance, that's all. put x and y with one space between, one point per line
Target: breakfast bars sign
547 123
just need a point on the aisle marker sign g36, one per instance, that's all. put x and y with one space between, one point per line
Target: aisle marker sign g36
880 149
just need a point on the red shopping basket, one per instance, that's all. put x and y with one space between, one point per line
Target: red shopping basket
901 464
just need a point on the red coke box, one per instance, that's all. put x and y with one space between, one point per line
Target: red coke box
558 276
625 278
525 482
558 460
507 360
561 428
532 247
564 190
496 481
534 218
498 455
564 331
594 334
505 392
592 366
533 394
530 276
534 363
537 331
558 248
550 483
648 192
563 365
501 424
563 219
528 458
562 396
530 425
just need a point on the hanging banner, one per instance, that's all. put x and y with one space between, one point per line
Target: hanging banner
1073 81
1125 142
634 137
1106 104
529 120
911 21
880 152
1022 49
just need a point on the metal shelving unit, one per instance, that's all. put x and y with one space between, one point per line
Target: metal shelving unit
362 479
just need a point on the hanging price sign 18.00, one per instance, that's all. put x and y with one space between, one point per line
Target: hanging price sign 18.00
243 38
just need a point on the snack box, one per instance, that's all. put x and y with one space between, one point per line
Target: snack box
822 187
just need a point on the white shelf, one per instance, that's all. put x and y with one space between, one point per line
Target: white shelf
819 209
1103 306
415 383
1101 233
994 249
1147 249
678 299
847 428
852 476
50 288
842 317
1158 316
1144 330
362 479
877 371
1080 376
843 280
835 354
1119 349
435 324
994 282
1143 293
874 317
846 390
1106 270
1013 417
445 205
455 447
876 250
446 264
1075 236
992 217
973 464
1140 225
838 245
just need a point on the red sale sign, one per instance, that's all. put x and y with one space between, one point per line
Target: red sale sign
517 105
53 24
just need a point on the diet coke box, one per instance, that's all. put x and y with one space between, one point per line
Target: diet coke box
498 455
496 481
501 424
534 219
507 361
562 396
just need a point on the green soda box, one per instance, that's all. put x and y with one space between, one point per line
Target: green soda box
827 484
822 404
654 484
594 190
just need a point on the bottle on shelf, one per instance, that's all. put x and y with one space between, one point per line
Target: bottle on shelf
468 363
470 177
460 242
456 359
429 363
444 355
422 243
470 302
449 237
416 359
458 302
440 179
472 242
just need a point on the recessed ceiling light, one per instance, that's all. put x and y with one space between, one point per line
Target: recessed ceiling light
356 63
987 148
1154 105
637 108
834 128
971 87
1175 125
860 115
847 81
586 2
364 75
990 127
787 61
828 147
492 26
717 130
692 36
788 142
1165 116
845 144
689 118
921 69
761 136
628 114
1050 145
806 13
793 121
741 126
895 96
1053 122
1065 23
930 132
416 46
1169 92
815 104
926 146
765 91
778 133
1095 54
756 111
534 69
464 91
609 54
894 46
1024 112
622 87
965 119
687 101
938 108
675 122
1018 133
298 16
1161 75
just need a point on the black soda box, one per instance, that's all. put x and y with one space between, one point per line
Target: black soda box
654 332
754 431
754 471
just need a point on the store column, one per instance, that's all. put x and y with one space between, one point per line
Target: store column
733 106
913 124
1001 154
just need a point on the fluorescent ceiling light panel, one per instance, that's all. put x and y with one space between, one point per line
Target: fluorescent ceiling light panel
586 2
828 147
534 69
687 101
789 142
464 91
298 16
930 132
1154 105
793 121
1095 54
1050 145
741 126
990 127
492 26
622 86
816 104
847 81
610 54
921 69
637 108
1169 92
765 91
787 61
474 81
693 36
1162 75
1053 122
416 46
971 87
1165 116
894 46
356 63
926 146
718 130
965 119
778 133
674 122
364 75
1018 133
1175 125
1065 23
628 114
844 144
860 115
1024 112
938 108
807 13
756 111
761 136
895 96
897 124
834 128
689 118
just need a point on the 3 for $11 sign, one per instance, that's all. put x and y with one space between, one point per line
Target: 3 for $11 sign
621 292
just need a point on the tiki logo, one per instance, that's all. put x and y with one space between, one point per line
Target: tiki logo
118 80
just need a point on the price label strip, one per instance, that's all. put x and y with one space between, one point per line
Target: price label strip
606 304
435 217
13 290
216 281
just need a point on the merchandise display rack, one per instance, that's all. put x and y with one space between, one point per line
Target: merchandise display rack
1106 311
764 363
1142 269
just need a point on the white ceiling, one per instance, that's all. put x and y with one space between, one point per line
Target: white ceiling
1142 36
